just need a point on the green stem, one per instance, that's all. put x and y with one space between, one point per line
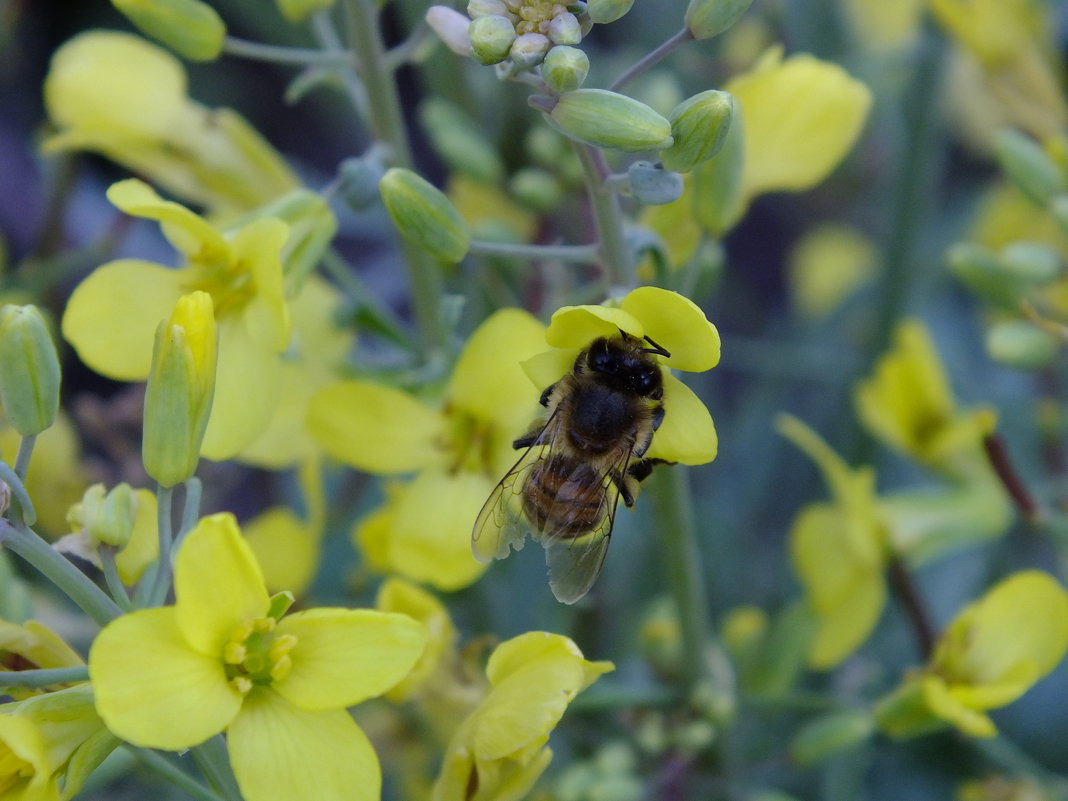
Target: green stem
43 677
368 304
194 489
326 35
673 505
583 254
163 767
53 566
165 522
23 509
617 261
652 59
111 575
386 122
214 762
278 54
22 458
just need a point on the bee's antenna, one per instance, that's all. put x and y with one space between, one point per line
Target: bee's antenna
656 350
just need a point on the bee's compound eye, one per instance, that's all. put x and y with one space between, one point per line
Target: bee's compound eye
601 358
649 385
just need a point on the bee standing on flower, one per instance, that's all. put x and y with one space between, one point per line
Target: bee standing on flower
596 443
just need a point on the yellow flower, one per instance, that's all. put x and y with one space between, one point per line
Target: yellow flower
499 750
112 315
49 744
908 404
117 95
687 434
989 656
457 449
838 551
802 116
31 646
828 265
224 658
885 26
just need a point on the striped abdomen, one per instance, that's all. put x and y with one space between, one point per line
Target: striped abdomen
564 497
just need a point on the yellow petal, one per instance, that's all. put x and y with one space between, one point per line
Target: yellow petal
143 547
943 704
345 656
152 689
111 317
397 595
374 428
488 382
187 231
548 367
246 389
802 116
217 584
114 85
430 531
286 548
257 251
677 324
278 751
687 435
578 326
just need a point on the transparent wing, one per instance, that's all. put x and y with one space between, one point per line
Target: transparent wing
502 526
575 558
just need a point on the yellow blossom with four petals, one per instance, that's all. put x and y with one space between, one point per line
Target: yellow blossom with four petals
224 659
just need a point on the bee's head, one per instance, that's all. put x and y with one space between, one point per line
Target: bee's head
624 363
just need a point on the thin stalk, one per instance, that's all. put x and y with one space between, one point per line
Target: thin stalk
673 505
22 458
23 507
652 59
325 34
583 254
165 523
386 121
164 768
366 301
915 609
44 677
617 261
214 762
190 506
116 588
52 565
998 455
278 54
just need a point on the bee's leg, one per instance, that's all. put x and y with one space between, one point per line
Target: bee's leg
544 399
658 416
528 439
629 483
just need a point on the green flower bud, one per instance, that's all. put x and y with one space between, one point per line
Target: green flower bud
699 126
459 141
1032 262
984 274
29 370
565 68
708 18
188 27
359 182
528 50
1022 344
1058 207
181 386
610 120
451 27
831 734
487 8
300 10
536 188
652 185
491 38
565 29
718 181
1028 166
106 517
424 215
605 11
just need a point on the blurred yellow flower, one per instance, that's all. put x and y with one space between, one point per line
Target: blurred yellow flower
224 658
838 550
118 95
499 750
458 449
31 646
908 404
989 656
828 265
112 315
801 117
885 26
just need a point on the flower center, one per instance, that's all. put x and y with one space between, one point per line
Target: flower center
535 15
13 769
230 285
469 442
256 654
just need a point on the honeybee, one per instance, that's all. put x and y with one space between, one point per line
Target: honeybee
586 454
